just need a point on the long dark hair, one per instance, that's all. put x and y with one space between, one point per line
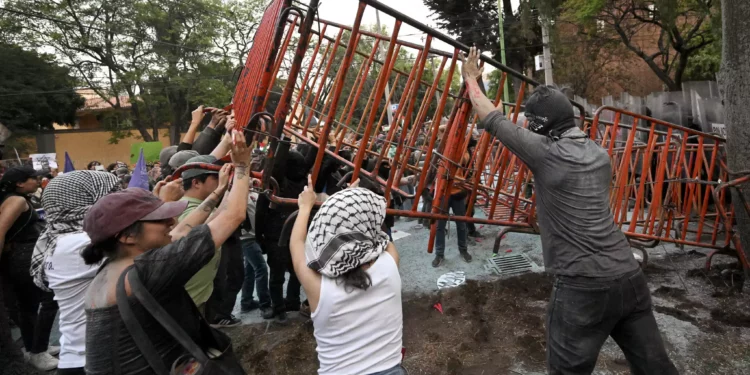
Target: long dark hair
357 278
95 253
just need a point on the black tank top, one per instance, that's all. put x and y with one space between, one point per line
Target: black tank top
27 227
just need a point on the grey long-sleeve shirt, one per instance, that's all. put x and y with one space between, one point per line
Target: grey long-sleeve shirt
571 180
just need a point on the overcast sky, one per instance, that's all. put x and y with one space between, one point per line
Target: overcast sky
344 12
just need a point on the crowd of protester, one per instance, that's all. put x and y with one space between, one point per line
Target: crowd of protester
144 279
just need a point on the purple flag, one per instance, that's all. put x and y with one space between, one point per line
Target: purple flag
68 164
140 176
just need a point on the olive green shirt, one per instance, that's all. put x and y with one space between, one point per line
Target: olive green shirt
201 285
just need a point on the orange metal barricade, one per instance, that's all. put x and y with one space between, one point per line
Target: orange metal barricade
664 181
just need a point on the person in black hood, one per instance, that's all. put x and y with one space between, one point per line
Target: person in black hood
290 171
599 290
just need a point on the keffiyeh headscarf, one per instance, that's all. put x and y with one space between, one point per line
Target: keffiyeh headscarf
346 232
66 200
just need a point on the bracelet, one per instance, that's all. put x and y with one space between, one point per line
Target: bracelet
217 194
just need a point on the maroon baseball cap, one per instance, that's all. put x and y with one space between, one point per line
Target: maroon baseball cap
117 211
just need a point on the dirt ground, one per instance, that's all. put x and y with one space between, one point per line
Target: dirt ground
497 326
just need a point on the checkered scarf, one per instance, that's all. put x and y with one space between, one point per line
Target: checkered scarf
346 232
65 200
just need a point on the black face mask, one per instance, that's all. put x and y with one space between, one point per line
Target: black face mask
549 112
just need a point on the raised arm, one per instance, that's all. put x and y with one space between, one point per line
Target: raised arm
201 214
195 123
470 70
309 279
232 213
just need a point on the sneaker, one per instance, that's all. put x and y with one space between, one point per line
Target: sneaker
476 234
249 307
53 350
304 309
438 261
418 226
281 317
266 312
227 322
43 361
465 256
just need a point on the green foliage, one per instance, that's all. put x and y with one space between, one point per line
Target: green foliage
585 10
34 91
167 56
666 34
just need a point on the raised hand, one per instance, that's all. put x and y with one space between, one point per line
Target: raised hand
197 115
470 68
224 174
307 197
240 151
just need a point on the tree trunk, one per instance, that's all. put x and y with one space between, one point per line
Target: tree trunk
734 80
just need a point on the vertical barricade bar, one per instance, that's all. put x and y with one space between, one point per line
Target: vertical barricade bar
282 110
339 86
408 117
322 81
433 136
280 58
382 81
309 70
410 84
361 86
504 154
421 116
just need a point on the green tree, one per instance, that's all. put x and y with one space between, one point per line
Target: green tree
34 91
166 56
665 34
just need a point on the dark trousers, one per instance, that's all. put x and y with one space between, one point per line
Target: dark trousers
583 312
470 226
280 262
256 275
228 281
34 310
426 206
457 204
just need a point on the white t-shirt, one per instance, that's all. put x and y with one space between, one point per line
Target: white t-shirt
360 331
69 277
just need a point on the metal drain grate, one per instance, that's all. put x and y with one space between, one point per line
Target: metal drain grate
510 264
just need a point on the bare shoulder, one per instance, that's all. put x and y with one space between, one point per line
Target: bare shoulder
14 202
102 291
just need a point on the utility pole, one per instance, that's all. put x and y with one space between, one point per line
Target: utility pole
387 85
547 53
500 17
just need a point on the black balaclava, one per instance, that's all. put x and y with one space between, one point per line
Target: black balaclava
296 168
549 112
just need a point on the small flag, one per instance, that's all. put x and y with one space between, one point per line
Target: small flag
439 307
68 164
140 176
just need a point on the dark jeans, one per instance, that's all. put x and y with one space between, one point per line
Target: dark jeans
426 206
35 309
256 275
398 370
457 204
228 281
280 262
583 312
470 226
